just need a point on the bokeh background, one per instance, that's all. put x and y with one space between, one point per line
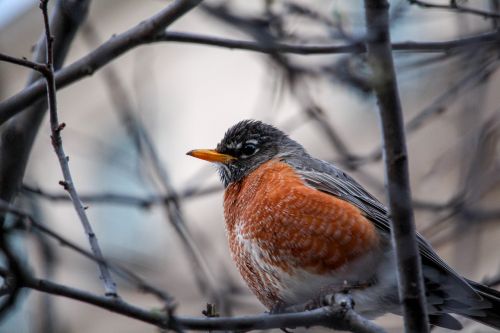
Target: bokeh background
185 96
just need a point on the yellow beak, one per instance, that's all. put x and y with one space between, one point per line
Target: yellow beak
210 155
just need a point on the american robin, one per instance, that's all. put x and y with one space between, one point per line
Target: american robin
299 228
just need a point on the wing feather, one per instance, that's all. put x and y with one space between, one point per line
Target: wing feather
327 178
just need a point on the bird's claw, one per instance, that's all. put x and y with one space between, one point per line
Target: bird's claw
341 299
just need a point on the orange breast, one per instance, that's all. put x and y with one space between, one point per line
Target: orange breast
274 220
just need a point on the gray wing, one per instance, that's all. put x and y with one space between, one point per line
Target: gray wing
327 178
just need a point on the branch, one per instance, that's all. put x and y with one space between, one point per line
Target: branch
410 46
39 67
410 280
338 316
198 39
122 198
68 184
118 45
454 6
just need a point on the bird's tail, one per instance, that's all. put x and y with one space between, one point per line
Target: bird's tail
491 310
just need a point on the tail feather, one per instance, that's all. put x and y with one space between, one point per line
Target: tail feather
445 320
491 309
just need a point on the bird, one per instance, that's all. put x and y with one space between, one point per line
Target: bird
299 228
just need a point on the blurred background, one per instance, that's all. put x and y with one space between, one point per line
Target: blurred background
131 123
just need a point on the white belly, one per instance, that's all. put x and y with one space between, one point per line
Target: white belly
300 286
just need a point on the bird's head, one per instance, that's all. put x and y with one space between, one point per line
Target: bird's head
245 146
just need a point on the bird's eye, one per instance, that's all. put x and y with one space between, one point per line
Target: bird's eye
248 149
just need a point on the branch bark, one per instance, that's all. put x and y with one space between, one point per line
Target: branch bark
410 280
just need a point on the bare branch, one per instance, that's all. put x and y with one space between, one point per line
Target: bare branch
198 39
23 62
118 45
454 6
339 316
68 184
410 280
410 46
123 198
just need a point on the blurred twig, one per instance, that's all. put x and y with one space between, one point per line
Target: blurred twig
123 198
46 318
480 175
454 6
488 38
13 279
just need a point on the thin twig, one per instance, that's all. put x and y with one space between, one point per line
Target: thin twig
410 279
23 62
122 198
409 46
454 6
68 184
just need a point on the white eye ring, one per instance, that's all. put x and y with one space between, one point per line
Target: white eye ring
252 142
